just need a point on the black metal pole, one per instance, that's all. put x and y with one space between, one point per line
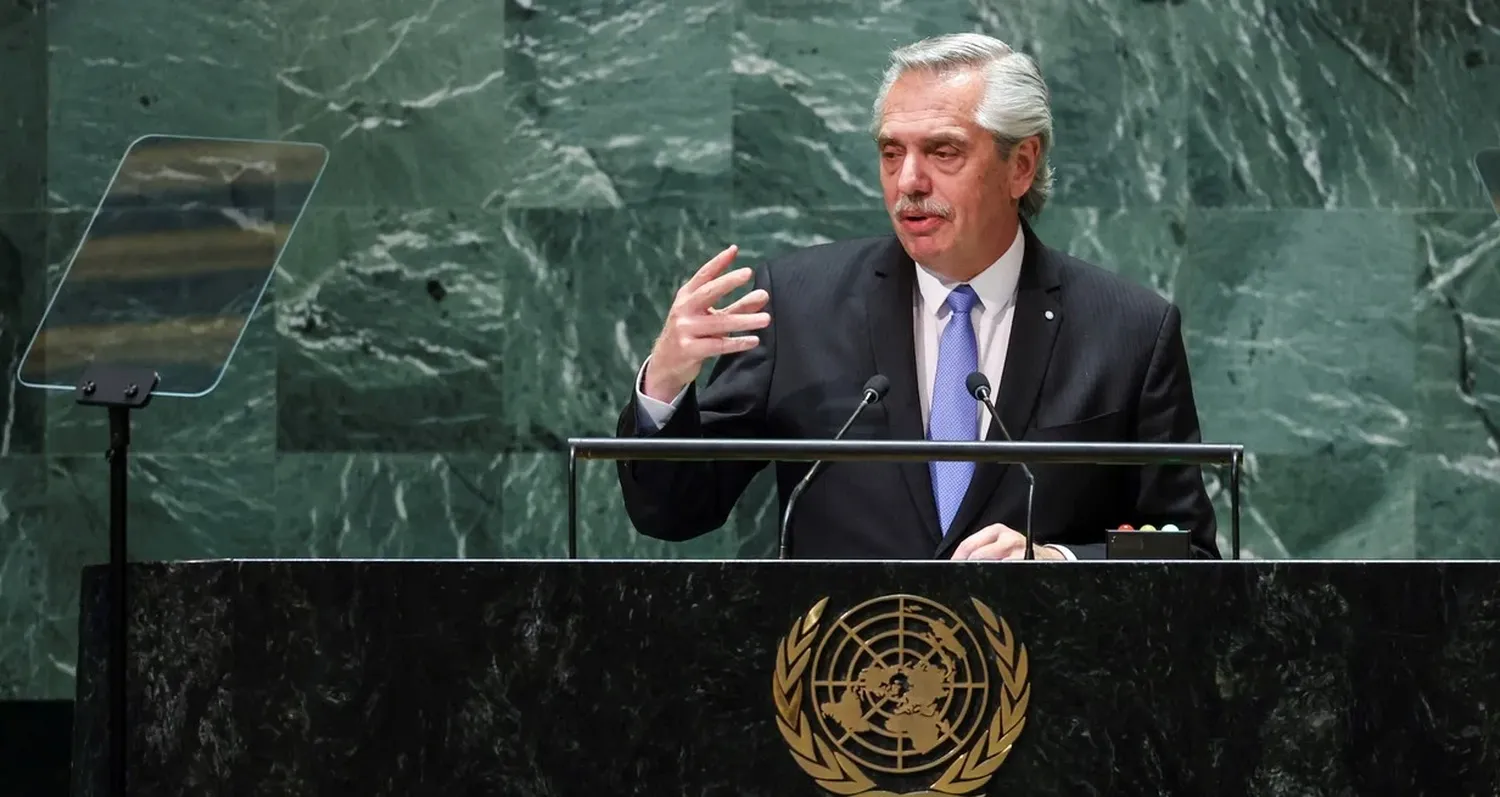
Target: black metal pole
119 554
119 389
1234 503
700 450
572 502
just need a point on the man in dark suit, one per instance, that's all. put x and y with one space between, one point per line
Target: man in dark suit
1075 353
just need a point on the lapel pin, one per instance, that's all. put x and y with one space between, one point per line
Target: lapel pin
1048 314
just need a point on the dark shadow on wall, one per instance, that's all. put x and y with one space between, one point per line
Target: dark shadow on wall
23 202
35 747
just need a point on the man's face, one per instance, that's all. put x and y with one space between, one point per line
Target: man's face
950 196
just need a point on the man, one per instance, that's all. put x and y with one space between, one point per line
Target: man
963 128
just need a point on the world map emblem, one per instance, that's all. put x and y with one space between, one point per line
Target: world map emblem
898 693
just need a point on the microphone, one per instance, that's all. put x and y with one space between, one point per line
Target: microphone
875 389
979 388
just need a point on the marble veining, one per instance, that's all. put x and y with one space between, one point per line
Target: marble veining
516 189
1286 92
532 678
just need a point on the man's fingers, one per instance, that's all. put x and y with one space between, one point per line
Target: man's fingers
711 269
1003 548
709 293
982 552
990 542
968 545
751 302
704 348
708 326
1008 546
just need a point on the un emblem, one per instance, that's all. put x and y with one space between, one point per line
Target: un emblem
899 686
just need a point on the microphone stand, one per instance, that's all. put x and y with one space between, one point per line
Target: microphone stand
875 390
980 388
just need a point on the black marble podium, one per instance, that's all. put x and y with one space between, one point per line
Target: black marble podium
661 678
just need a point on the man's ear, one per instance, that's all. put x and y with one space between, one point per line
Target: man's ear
1022 165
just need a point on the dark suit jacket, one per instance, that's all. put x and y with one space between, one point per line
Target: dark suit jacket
1109 366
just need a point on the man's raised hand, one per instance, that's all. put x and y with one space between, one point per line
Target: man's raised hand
695 330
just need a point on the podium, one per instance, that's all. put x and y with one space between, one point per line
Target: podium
530 678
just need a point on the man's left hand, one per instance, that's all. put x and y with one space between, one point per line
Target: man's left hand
999 541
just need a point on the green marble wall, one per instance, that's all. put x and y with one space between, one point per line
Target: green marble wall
517 187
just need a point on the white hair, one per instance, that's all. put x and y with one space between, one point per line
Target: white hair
1015 106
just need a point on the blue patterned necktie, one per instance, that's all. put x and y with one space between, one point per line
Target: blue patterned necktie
954 416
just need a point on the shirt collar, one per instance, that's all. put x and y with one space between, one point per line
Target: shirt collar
996 285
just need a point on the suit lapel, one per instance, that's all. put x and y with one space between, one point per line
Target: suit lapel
892 342
1027 356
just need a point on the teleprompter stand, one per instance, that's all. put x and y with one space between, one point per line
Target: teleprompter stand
119 389
154 304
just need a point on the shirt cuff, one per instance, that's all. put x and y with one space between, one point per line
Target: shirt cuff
1063 549
650 414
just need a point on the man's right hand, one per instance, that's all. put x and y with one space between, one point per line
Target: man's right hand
696 330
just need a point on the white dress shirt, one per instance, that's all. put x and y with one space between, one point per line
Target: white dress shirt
991 316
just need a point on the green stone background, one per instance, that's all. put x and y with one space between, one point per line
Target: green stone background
1296 174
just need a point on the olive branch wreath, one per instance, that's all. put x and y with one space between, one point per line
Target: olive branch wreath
836 773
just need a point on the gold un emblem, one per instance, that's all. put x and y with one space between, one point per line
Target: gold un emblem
900 690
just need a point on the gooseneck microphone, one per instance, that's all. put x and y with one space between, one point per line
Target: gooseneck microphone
875 389
979 388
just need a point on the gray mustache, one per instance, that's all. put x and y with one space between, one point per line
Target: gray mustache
926 207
